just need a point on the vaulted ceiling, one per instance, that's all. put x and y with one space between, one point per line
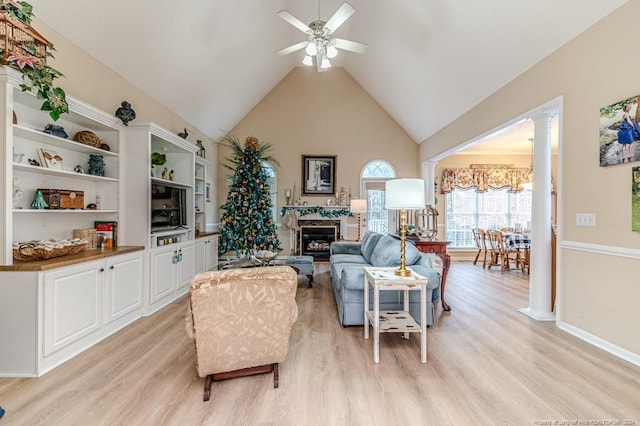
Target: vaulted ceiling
428 61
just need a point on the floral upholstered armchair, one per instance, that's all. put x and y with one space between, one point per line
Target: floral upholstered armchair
241 320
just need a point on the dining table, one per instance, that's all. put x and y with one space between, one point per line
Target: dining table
516 241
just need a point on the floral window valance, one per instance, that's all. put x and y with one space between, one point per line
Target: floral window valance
484 178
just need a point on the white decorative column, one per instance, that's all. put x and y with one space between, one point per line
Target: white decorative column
540 261
429 177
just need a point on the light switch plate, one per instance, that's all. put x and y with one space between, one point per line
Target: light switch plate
585 219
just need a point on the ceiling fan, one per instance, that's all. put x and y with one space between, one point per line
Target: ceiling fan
320 41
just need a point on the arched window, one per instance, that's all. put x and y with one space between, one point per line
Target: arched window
372 181
272 181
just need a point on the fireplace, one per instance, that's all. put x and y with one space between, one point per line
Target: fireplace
316 237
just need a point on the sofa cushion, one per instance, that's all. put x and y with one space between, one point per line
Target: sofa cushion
348 258
387 252
368 244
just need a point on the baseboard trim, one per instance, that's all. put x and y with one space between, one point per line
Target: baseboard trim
537 315
600 343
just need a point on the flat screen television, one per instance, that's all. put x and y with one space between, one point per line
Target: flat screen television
168 207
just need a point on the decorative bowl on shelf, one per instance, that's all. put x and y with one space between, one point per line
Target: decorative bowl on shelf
47 249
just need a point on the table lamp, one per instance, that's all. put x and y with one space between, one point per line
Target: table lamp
403 194
357 207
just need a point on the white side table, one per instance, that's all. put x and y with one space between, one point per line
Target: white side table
394 321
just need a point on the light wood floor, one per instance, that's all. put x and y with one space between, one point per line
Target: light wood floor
487 364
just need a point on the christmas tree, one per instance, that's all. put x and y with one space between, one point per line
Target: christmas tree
247 224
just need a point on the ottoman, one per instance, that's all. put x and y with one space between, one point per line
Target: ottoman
304 264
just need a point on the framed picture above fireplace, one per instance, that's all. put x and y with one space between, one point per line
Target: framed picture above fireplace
318 174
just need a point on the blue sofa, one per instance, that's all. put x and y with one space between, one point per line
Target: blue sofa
348 260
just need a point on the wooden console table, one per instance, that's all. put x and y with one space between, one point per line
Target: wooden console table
440 249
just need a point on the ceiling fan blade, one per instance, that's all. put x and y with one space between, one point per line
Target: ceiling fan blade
342 14
292 48
294 21
351 46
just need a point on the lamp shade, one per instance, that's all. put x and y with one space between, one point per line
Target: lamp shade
358 206
404 194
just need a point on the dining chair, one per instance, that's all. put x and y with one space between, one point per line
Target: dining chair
524 257
479 236
501 254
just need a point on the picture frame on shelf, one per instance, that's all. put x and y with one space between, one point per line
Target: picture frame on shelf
50 159
207 192
318 174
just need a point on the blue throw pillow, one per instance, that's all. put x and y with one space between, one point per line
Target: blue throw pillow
387 252
369 243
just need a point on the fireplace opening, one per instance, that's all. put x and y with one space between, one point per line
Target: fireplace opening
316 241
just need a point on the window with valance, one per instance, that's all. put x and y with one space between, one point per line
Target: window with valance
484 177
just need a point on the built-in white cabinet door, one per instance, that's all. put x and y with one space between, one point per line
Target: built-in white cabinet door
200 261
186 265
123 286
163 273
211 253
71 304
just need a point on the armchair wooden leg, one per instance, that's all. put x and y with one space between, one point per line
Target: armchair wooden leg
207 387
276 376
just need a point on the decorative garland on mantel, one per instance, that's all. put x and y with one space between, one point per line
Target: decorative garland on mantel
328 212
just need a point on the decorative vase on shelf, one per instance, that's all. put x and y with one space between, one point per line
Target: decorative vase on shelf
38 201
55 130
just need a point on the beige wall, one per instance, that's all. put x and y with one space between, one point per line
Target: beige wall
327 113
593 70
91 81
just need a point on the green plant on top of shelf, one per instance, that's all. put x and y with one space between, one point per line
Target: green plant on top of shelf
36 74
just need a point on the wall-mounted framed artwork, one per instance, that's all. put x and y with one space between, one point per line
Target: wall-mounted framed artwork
620 132
635 199
318 174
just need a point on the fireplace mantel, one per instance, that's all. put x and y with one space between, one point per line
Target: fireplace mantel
338 214
326 212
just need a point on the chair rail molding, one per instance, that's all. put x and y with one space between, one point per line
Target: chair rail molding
601 249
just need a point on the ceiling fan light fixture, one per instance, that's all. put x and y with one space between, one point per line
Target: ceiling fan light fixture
308 60
331 51
311 49
326 63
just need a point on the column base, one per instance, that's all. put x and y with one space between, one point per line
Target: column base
538 315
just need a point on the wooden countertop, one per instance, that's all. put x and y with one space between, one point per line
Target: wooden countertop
206 234
71 259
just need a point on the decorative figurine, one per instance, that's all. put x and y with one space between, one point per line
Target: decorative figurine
38 201
341 200
171 175
78 169
165 173
52 129
17 192
125 113
200 152
184 134
96 165
33 162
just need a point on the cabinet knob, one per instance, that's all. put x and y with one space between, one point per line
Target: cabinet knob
112 267
101 269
